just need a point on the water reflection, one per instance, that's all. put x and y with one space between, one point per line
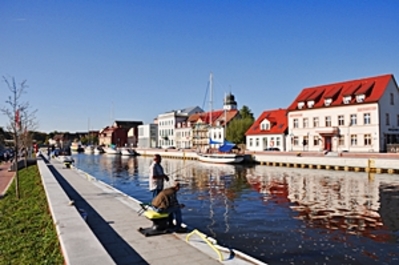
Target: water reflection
279 215
348 202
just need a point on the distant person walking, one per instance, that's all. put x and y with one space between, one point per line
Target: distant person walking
157 176
49 153
5 156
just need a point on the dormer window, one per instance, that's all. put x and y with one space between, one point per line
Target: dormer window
301 104
347 99
310 104
265 126
327 101
360 98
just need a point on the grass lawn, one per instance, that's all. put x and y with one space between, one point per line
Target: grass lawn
27 232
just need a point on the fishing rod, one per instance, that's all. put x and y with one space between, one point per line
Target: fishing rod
180 169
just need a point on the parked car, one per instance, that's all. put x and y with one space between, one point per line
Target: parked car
272 149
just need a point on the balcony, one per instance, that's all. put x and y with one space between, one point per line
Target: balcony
328 131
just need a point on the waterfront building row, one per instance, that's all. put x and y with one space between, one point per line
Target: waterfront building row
353 116
359 115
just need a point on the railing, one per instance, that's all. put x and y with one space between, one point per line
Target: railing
204 237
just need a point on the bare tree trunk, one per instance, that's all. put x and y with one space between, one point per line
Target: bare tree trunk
16 166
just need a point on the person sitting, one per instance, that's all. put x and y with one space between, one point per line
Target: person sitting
166 202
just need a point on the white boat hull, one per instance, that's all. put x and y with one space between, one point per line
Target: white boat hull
221 158
128 152
112 151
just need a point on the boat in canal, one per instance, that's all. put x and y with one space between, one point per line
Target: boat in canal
128 152
112 150
224 154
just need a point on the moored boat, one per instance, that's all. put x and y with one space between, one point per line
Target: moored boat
76 147
89 149
112 151
98 150
221 158
128 152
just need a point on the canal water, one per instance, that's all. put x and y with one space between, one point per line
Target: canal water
278 215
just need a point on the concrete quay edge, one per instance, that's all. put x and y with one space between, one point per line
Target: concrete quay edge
77 248
356 163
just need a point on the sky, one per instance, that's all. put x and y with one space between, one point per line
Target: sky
88 63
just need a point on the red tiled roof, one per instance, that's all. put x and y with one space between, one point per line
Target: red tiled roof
332 92
228 115
372 87
277 118
206 116
365 88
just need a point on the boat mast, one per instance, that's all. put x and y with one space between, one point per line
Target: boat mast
210 98
225 117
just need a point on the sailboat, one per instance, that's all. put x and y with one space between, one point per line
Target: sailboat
224 155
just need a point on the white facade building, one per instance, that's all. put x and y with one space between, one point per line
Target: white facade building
184 134
268 132
353 116
167 123
148 136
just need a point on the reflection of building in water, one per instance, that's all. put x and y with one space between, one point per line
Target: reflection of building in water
335 200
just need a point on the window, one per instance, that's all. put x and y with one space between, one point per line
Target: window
305 140
315 140
300 105
341 140
353 139
277 141
295 123
257 142
387 118
250 141
347 99
391 99
315 122
341 120
305 122
296 141
328 121
327 101
264 141
310 104
265 126
353 119
366 117
360 98
367 139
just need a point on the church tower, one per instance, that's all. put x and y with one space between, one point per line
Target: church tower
229 102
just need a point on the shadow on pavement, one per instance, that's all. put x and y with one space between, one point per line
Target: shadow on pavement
119 250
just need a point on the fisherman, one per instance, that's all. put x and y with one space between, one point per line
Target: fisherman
166 202
157 176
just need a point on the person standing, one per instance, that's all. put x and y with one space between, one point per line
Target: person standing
49 153
157 176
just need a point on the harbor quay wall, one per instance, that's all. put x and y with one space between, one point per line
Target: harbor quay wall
372 163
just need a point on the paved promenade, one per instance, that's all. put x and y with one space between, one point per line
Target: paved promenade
113 218
5 177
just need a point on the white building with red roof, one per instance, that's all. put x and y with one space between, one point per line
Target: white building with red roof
353 116
268 132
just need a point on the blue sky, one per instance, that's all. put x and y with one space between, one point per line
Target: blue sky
90 62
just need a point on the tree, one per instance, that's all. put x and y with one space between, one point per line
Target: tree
19 119
238 127
246 113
